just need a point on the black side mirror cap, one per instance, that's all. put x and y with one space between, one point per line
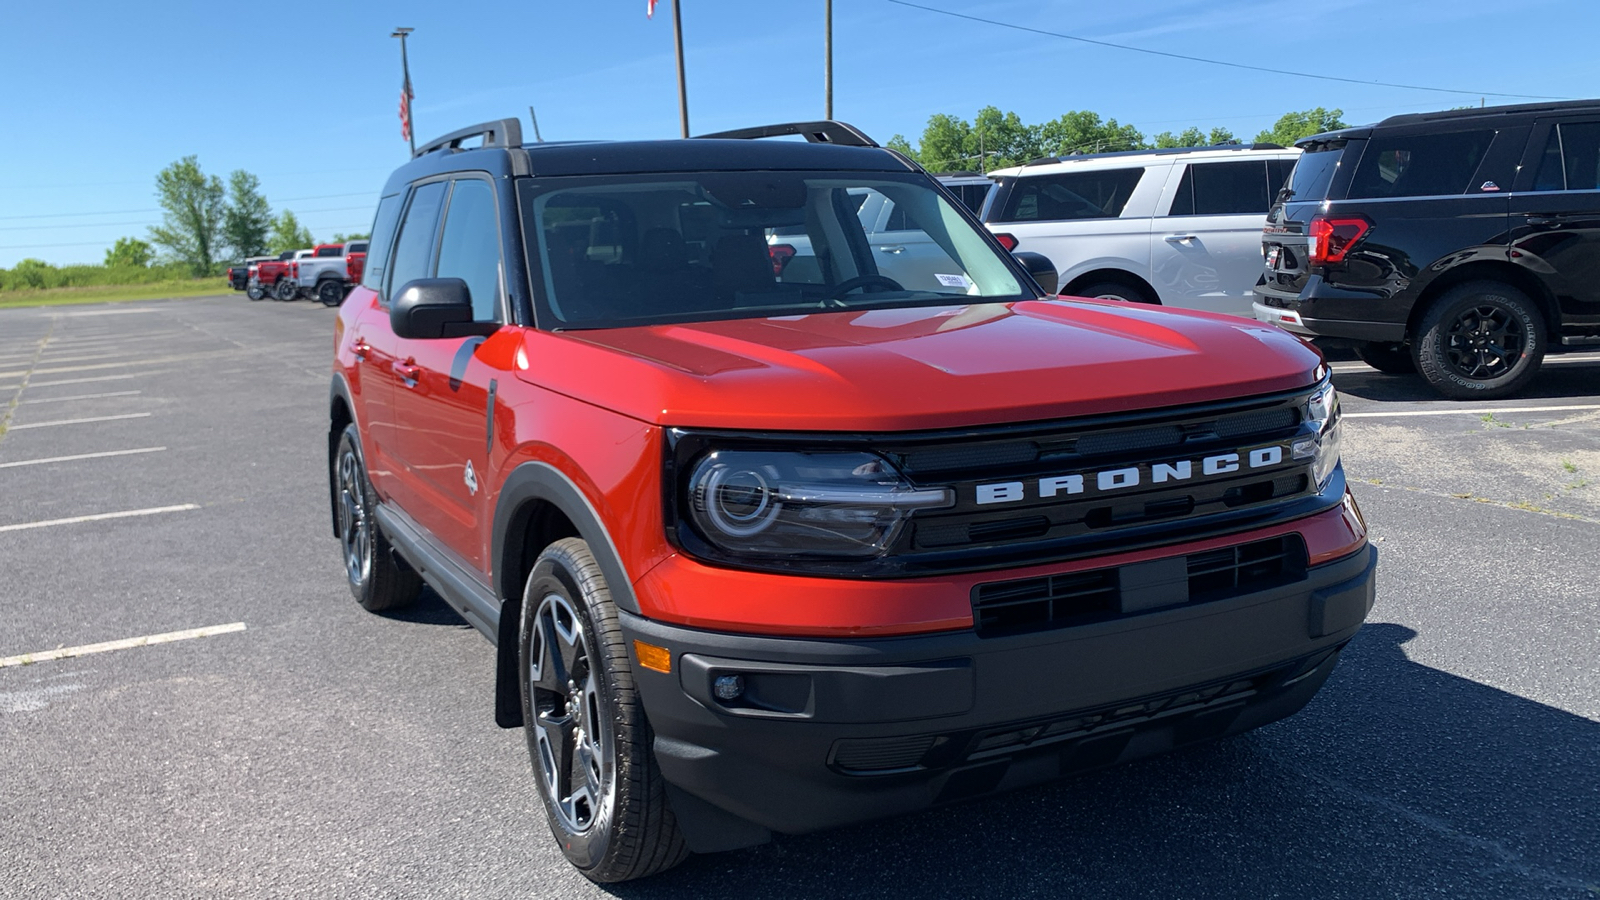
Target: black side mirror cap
1041 268
433 308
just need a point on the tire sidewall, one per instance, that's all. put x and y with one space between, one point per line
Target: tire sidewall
350 442
1430 347
555 574
331 289
1114 290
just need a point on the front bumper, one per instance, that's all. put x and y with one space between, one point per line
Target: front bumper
834 731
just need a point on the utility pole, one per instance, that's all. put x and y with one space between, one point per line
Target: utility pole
683 90
827 56
405 89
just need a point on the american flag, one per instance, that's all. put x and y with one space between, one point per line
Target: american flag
650 9
406 97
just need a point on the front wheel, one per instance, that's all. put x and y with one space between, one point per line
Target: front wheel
378 579
588 738
285 290
330 293
254 292
1480 341
1390 359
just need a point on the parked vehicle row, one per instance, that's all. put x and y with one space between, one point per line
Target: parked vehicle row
326 272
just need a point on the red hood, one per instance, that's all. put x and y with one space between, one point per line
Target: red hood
910 369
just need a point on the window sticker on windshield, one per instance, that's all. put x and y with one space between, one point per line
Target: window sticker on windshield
959 281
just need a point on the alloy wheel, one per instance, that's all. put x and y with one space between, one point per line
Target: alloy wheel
571 732
355 532
1484 342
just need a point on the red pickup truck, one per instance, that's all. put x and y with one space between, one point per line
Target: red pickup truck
274 278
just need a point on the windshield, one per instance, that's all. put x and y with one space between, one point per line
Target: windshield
637 250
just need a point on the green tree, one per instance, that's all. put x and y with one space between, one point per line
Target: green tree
248 219
289 234
130 252
1081 131
899 143
1193 137
944 143
1296 125
339 238
192 206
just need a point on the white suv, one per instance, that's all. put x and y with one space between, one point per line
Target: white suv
1178 227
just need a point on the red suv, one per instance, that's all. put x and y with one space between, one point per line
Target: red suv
775 545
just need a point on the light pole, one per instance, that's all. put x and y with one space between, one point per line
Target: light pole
405 89
683 90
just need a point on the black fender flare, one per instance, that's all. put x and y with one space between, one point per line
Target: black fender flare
338 391
540 482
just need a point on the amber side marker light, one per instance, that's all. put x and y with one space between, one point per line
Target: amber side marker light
652 657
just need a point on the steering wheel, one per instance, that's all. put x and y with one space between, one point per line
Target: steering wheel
863 282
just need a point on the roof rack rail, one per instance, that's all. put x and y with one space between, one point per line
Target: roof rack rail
825 132
499 133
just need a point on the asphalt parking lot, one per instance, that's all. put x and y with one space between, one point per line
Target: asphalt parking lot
162 469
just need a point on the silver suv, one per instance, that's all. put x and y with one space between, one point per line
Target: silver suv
1178 227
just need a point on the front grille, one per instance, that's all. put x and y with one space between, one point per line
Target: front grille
1077 598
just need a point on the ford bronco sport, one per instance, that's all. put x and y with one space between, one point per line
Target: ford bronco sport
778 545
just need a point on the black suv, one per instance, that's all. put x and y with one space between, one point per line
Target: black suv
1462 244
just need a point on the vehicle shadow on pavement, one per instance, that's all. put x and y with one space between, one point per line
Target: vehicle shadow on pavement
1398 780
429 609
1554 382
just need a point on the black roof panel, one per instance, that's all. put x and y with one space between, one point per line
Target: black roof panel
702 154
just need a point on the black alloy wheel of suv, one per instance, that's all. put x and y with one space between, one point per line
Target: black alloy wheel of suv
1464 244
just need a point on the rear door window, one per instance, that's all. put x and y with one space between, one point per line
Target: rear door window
1221 189
1571 158
1071 195
413 252
1419 165
1313 172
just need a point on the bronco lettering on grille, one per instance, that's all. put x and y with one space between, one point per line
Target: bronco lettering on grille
1108 480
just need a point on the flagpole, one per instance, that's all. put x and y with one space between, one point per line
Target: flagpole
405 68
683 90
827 55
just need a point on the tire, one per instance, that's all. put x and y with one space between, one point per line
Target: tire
286 290
330 292
588 739
254 292
1390 359
1481 340
378 578
1114 290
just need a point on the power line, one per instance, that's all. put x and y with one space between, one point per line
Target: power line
147 221
134 212
1216 62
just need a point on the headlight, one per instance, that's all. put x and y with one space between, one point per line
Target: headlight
1322 448
788 504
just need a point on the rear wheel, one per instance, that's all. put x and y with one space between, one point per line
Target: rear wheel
589 740
254 292
1390 359
378 579
285 289
330 292
1114 290
1480 341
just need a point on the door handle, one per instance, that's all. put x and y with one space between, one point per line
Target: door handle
360 347
1546 219
1178 238
895 249
408 372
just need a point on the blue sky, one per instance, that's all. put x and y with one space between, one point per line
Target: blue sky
98 96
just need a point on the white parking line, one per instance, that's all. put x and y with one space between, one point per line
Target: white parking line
1473 411
105 312
88 380
124 644
78 456
52 370
99 517
80 421
83 397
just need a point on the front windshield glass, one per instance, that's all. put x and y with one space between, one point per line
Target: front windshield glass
637 250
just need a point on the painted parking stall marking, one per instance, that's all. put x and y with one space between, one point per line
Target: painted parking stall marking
1471 411
84 397
27 659
77 456
101 517
82 421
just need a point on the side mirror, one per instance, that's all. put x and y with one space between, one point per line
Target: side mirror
1041 268
431 308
